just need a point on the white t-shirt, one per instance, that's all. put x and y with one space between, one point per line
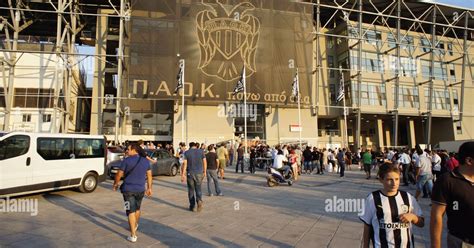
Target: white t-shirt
436 160
278 161
424 163
386 226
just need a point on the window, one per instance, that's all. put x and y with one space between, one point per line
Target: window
45 99
46 118
458 127
425 45
440 99
330 42
452 72
14 146
371 62
33 98
440 48
407 42
450 48
89 148
371 94
2 98
343 60
332 91
164 155
331 66
408 97
439 70
455 100
26 117
55 148
370 36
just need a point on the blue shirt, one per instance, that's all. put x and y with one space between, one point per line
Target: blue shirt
135 180
194 157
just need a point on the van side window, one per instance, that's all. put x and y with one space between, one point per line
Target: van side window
55 148
89 148
14 146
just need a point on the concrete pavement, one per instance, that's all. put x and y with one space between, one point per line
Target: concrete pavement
250 214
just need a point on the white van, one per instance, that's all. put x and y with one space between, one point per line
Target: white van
36 162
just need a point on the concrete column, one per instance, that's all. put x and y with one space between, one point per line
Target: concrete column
411 133
380 133
99 76
387 136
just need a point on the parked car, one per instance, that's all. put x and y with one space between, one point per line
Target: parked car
114 153
165 164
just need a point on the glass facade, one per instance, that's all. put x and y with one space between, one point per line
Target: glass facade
371 94
408 97
407 42
440 72
440 99
371 62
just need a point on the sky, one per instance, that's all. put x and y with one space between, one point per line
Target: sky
461 3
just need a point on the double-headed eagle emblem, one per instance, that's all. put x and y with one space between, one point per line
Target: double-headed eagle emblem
227 40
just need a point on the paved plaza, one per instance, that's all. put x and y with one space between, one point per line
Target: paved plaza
250 214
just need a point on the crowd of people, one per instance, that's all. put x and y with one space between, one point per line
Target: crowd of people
436 174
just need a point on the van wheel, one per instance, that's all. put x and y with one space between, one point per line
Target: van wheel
89 183
174 170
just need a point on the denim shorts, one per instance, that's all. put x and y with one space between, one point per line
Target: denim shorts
422 180
133 201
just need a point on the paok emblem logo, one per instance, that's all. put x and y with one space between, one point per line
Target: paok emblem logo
227 40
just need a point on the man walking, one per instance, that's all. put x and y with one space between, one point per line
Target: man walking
453 194
367 162
212 164
240 159
423 174
193 171
223 156
341 159
404 160
134 169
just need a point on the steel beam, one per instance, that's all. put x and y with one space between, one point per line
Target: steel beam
359 79
120 61
397 75
430 92
464 62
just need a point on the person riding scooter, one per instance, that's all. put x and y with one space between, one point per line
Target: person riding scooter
278 163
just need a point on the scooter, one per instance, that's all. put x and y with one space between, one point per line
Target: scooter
276 177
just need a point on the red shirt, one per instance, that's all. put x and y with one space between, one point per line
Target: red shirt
452 163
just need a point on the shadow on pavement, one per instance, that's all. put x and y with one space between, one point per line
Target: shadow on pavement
270 242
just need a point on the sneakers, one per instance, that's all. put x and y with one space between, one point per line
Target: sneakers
210 194
220 194
193 209
199 207
132 239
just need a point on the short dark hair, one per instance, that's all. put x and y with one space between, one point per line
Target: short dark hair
387 168
192 144
466 150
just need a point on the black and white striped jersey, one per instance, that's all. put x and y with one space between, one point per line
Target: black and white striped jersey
382 214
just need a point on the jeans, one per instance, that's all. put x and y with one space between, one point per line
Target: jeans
240 161
194 188
342 168
425 180
212 174
308 165
317 166
405 173
231 160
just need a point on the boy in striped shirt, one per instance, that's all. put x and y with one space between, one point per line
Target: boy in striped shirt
390 212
